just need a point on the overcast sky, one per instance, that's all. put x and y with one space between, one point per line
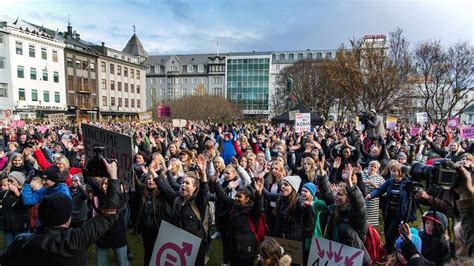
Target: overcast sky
195 26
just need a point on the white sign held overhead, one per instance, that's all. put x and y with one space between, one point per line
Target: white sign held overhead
422 117
303 122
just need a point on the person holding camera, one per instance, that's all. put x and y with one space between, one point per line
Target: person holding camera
374 126
65 246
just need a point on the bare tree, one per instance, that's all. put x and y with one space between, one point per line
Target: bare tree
445 78
203 107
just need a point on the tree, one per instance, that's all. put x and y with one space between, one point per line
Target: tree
202 107
311 86
372 75
445 78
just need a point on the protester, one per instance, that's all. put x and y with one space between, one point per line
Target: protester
273 254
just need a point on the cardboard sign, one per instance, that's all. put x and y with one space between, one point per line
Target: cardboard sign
57 118
453 123
145 117
117 146
415 131
391 122
467 132
292 248
174 246
179 122
302 122
327 252
422 117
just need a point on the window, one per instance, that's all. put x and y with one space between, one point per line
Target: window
190 68
138 89
19 48
291 56
34 95
173 68
217 80
31 50
329 55
85 65
104 100
78 64
56 77
132 88
125 87
20 72
126 102
119 102
3 89
193 81
92 66
119 70
319 55
112 85
152 69
184 80
2 41
138 103
282 56
2 62
200 68
21 94
132 73
45 74
33 73
125 72
57 97
138 74
46 96
203 80
300 56
112 69
112 101
55 56
119 86
309 55
103 84
69 62
103 67
132 103
183 91
162 80
44 53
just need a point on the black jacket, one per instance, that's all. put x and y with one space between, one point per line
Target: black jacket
15 214
55 246
289 226
79 204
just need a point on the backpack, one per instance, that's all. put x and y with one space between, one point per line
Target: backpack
259 227
374 245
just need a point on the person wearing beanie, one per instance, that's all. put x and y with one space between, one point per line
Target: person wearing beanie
51 185
435 245
15 213
402 158
66 246
311 222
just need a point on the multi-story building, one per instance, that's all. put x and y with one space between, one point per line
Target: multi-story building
31 70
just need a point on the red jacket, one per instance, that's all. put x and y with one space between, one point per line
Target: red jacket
45 164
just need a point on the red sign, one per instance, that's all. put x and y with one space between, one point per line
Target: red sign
163 111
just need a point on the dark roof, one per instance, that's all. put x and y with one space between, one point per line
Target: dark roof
316 120
135 47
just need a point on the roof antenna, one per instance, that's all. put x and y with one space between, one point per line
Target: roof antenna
217 48
69 20
134 28
16 21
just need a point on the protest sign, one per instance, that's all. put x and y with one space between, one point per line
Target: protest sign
327 252
291 115
415 131
292 248
453 123
302 122
163 111
467 132
117 146
43 129
145 117
174 246
179 122
17 124
7 113
56 118
422 117
391 122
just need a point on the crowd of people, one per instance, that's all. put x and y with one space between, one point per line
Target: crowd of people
239 183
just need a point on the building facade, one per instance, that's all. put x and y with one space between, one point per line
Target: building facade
34 63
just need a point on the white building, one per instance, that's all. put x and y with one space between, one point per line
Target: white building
34 63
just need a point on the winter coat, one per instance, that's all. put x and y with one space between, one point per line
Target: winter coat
15 214
403 199
65 246
375 128
31 197
289 226
228 151
79 204
312 224
434 249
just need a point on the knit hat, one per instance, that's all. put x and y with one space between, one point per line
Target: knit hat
54 210
312 188
52 173
18 176
437 217
294 181
415 239
402 155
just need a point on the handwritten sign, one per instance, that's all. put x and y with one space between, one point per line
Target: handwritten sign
145 117
422 117
163 111
327 252
302 122
117 146
467 132
414 131
17 124
179 122
453 123
292 248
291 114
391 122
174 246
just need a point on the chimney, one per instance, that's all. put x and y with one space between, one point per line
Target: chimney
69 30
78 36
103 44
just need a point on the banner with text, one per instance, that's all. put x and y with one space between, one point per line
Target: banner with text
117 146
391 122
174 246
292 248
179 122
327 252
467 132
453 123
414 131
302 122
145 117
422 117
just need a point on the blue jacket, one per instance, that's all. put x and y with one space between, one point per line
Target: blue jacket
31 197
403 200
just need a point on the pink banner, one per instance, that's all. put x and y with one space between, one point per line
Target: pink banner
453 123
163 111
18 124
43 129
415 131
467 132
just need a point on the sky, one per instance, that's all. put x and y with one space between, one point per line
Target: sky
209 26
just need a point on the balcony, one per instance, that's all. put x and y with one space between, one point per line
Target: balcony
84 89
85 105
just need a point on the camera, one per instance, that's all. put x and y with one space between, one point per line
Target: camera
95 166
364 117
442 173
413 186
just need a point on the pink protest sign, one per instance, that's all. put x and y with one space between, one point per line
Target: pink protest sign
43 129
17 124
467 132
415 131
453 123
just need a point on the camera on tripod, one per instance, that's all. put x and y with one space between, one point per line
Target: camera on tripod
442 173
95 166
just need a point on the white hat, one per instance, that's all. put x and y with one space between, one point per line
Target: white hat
294 181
